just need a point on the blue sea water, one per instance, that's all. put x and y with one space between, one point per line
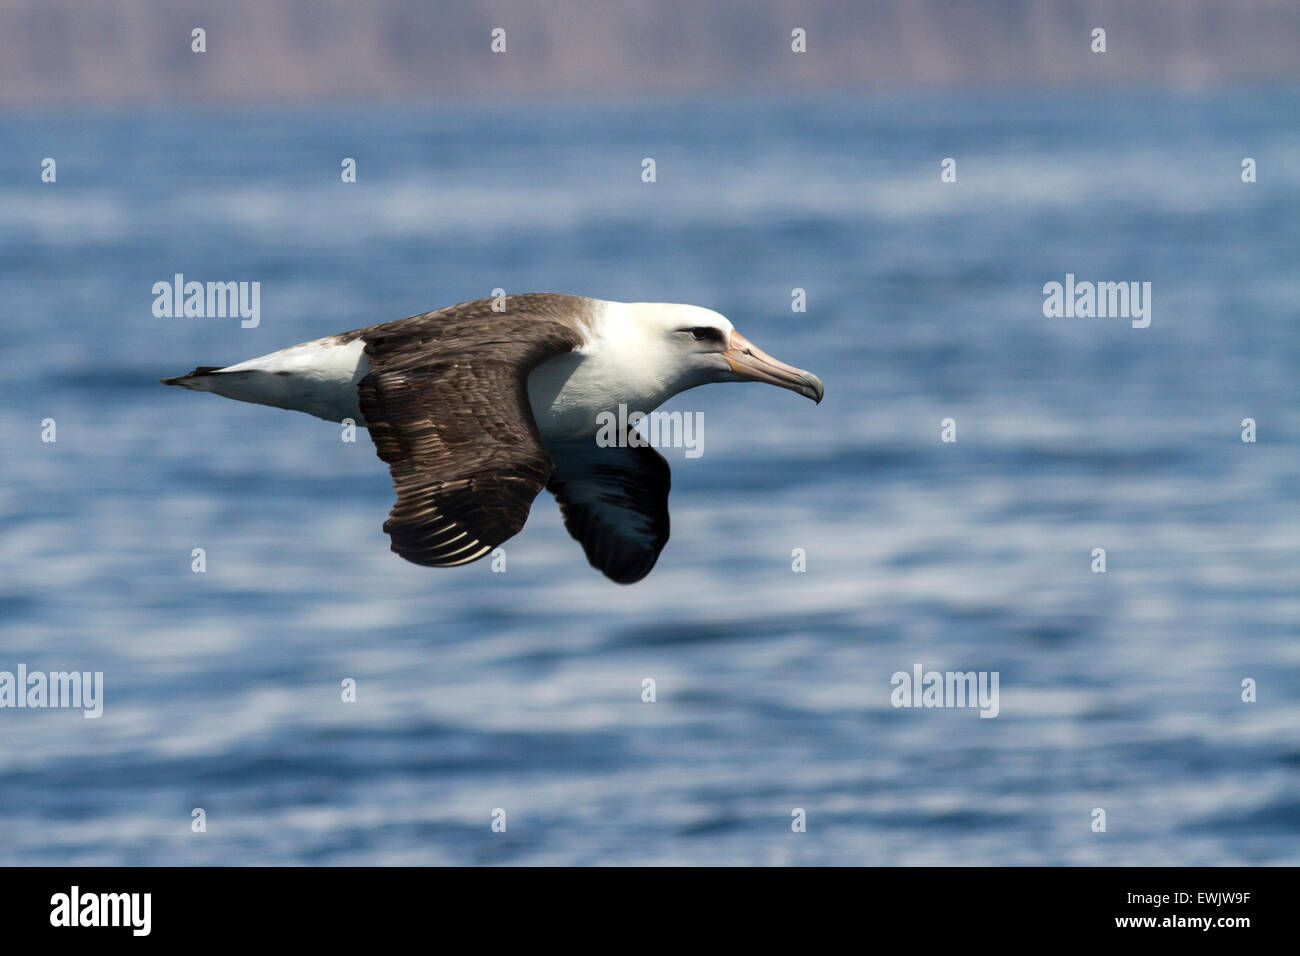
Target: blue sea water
522 690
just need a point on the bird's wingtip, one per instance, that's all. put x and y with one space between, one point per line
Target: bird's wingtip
182 379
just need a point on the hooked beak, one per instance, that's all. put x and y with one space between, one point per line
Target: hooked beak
748 361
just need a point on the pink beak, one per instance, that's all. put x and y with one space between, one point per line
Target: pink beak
748 361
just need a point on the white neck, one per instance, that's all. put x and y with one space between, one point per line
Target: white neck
624 361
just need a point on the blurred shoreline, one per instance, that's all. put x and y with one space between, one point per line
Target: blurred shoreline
334 50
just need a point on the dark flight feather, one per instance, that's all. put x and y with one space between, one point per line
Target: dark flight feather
615 503
446 402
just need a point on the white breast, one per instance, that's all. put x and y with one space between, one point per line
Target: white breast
565 394
615 366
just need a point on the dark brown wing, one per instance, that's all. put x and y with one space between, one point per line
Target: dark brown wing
446 402
615 502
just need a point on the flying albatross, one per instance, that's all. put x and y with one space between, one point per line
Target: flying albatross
476 410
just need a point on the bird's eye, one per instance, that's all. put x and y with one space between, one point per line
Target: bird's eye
701 334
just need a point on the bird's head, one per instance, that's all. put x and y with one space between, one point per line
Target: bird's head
693 346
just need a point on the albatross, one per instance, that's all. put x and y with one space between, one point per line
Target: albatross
476 410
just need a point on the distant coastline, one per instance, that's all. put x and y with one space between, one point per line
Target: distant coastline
331 50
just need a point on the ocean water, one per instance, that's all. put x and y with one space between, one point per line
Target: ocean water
522 691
